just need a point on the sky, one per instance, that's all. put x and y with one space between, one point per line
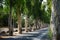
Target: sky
45 0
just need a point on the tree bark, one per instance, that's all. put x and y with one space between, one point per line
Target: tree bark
19 20
54 19
10 20
26 23
34 25
10 23
57 10
38 23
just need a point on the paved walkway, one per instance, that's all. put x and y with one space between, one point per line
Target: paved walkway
40 34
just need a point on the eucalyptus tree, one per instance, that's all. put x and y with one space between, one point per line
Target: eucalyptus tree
18 5
8 3
43 14
27 12
36 11
10 19
55 18
32 5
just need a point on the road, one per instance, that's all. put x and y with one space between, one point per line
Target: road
41 34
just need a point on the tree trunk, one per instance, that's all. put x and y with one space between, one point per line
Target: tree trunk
53 19
39 24
19 20
26 23
34 25
10 22
56 4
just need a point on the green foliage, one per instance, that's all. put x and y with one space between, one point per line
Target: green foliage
31 8
46 14
1 6
45 18
3 19
32 2
6 9
50 35
25 10
49 3
7 2
36 12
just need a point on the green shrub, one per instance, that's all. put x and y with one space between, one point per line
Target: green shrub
50 35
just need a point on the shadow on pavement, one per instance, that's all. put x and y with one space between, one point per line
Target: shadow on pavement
23 38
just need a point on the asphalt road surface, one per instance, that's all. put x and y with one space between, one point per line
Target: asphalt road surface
41 34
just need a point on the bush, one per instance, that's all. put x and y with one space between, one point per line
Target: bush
50 35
